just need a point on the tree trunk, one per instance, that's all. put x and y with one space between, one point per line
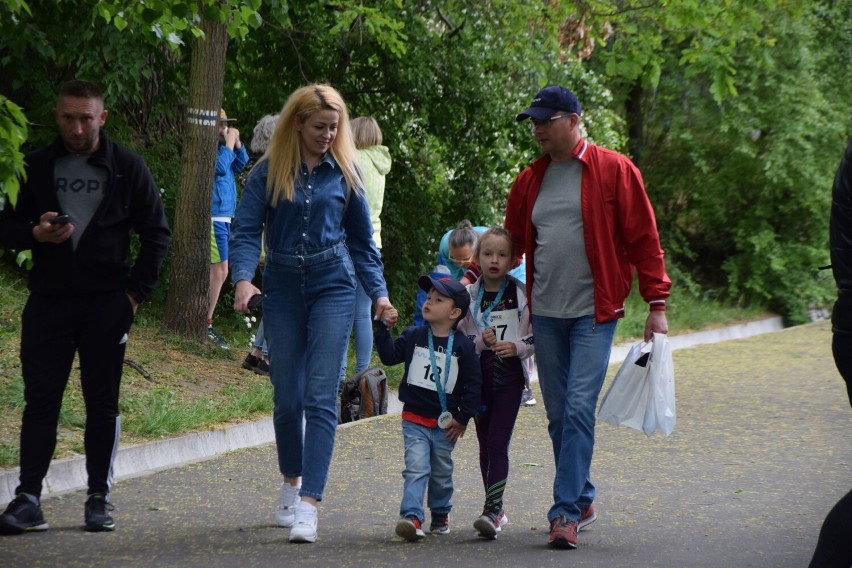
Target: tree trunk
186 303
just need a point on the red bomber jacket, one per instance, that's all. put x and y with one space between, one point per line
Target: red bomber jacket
619 228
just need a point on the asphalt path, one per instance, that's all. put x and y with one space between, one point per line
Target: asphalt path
761 451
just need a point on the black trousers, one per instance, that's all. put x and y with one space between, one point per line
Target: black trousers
841 346
834 547
53 329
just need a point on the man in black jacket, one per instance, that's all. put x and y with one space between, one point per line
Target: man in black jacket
82 198
834 547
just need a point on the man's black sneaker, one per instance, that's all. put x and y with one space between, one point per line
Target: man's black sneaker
22 514
250 362
216 338
262 368
97 513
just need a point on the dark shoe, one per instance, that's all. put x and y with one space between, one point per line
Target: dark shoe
587 517
250 363
440 524
98 513
563 533
216 338
262 368
22 515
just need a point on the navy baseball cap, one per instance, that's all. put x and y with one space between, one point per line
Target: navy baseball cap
550 100
450 288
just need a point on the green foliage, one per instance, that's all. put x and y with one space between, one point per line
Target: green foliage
680 86
171 20
742 190
13 133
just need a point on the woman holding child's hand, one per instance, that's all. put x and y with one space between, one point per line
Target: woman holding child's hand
305 195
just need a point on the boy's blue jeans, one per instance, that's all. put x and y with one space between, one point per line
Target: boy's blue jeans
428 466
572 356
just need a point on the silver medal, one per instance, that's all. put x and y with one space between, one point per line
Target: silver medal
445 419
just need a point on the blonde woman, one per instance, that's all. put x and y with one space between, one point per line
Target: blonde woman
306 193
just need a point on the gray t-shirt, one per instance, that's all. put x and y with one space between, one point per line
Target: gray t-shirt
79 189
563 285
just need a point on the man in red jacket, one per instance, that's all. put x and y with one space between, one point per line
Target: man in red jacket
581 215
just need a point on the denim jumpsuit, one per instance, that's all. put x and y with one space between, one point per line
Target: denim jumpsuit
316 247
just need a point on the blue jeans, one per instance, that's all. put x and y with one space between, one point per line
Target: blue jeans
307 298
260 339
428 464
572 356
363 326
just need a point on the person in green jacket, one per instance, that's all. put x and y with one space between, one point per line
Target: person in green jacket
374 161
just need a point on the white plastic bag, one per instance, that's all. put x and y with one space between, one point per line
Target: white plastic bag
661 408
642 394
624 402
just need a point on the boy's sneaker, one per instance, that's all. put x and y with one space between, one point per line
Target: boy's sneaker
490 523
440 524
409 529
23 514
527 398
305 527
288 498
563 533
587 517
216 338
98 513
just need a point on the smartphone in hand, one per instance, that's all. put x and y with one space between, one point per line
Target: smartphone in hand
60 220
255 301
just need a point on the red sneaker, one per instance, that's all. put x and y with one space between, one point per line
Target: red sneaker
409 528
587 517
563 533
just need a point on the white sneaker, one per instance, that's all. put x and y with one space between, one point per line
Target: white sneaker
527 398
305 527
285 514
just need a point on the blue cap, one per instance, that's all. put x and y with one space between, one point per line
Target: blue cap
550 100
450 288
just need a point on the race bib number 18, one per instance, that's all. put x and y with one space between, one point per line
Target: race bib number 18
420 371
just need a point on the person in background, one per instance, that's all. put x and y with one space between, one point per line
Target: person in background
304 199
834 547
258 358
375 162
456 250
581 216
82 198
231 158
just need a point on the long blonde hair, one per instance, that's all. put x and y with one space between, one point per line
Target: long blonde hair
284 152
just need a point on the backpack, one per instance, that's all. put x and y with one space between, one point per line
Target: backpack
363 395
